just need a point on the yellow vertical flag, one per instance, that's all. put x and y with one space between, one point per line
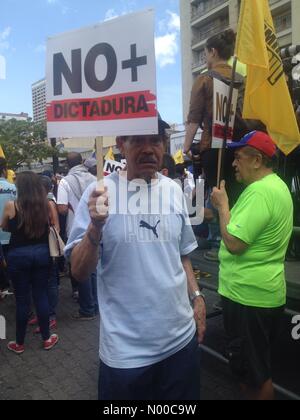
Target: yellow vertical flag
267 97
2 155
179 158
110 155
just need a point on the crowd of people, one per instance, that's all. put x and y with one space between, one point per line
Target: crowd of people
135 269
28 209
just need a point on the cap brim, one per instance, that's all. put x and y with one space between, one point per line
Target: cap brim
236 145
162 127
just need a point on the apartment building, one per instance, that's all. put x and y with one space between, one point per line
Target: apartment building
39 101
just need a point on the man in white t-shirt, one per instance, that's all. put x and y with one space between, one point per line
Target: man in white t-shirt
148 340
72 187
70 191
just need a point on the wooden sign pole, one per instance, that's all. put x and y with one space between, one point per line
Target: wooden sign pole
99 156
221 161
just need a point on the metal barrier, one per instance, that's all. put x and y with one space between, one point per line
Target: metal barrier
285 392
296 231
212 288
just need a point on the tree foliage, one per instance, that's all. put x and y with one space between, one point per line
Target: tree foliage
24 142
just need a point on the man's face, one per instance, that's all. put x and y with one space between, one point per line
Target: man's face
245 166
144 155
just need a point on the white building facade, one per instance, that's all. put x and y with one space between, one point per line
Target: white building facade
39 101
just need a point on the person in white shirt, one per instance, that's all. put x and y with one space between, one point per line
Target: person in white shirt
70 190
149 328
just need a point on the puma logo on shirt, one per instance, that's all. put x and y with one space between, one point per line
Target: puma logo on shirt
143 228
145 225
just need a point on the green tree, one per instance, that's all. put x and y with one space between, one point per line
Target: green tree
24 142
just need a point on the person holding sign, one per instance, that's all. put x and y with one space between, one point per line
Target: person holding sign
256 235
219 49
148 341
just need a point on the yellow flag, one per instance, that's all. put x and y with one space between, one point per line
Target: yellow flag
11 176
267 97
110 155
178 157
2 155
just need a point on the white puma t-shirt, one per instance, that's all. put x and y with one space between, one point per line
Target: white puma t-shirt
145 313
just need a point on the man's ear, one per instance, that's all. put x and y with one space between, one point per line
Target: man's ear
165 172
258 162
214 52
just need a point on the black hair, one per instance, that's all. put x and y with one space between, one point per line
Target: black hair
180 169
47 183
169 163
49 174
223 43
74 159
32 205
3 165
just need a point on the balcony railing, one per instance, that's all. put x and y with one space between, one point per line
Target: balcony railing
206 7
283 22
200 63
204 35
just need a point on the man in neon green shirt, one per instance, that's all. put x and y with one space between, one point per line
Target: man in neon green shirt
256 235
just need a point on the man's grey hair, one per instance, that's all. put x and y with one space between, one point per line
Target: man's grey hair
268 162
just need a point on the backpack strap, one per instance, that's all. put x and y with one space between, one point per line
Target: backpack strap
238 81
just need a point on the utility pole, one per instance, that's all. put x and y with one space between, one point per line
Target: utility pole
55 157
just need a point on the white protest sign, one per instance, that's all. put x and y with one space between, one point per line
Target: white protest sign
220 103
101 80
111 166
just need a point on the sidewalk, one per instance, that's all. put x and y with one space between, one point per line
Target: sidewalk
68 372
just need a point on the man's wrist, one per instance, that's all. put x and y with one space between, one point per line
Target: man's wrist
224 209
94 234
197 294
97 225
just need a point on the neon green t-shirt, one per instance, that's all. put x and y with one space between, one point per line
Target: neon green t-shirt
263 219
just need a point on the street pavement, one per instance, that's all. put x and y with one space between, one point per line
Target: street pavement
67 372
70 370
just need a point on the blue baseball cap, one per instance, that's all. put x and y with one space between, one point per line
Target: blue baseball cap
259 141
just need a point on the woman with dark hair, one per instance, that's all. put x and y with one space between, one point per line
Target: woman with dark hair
219 49
29 261
53 283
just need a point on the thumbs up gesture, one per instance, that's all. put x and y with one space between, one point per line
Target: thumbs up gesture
219 197
98 207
